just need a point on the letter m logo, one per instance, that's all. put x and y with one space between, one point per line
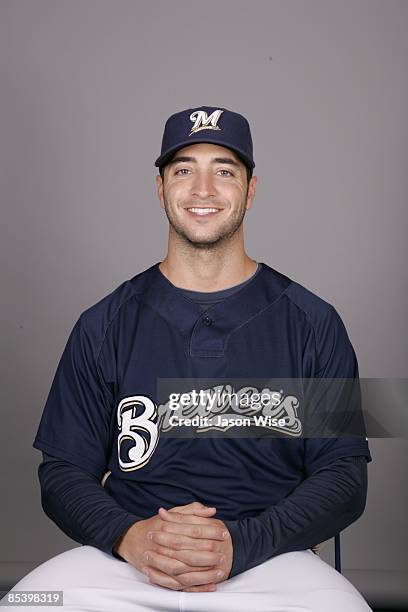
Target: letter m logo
204 122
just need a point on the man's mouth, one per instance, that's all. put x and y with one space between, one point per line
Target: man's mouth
203 211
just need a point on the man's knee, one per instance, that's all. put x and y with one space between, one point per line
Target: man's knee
74 567
336 601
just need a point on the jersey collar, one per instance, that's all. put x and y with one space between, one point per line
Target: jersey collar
207 332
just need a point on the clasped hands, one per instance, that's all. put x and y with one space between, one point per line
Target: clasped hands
183 548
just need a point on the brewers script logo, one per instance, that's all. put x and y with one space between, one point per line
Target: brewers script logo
205 122
140 420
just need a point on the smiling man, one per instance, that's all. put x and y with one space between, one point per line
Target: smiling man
207 195
206 192
199 523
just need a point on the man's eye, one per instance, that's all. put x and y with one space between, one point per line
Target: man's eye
185 170
181 170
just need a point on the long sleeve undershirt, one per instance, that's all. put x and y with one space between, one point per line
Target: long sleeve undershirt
325 503
77 502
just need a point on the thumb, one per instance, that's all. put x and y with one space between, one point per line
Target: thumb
196 508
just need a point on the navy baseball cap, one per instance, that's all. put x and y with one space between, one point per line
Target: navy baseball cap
207 124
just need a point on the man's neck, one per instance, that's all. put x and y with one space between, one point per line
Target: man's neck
207 271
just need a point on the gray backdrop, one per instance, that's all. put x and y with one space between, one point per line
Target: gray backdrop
85 89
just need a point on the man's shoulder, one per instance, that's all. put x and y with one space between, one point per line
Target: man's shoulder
315 312
314 307
326 326
96 319
322 316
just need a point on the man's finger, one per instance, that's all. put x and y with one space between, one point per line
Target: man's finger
194 508
203 588
162 579
195 527
195 578
165 564
172 565
207 532
190 558
181 542
182 517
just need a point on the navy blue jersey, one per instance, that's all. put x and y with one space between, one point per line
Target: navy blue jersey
147 329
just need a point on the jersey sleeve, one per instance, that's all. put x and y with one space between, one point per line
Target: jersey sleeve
75 424
336 359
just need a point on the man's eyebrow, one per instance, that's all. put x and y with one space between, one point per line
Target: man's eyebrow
215 160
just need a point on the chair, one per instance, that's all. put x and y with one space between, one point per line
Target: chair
337 551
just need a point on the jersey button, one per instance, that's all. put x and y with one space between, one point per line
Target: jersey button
207 321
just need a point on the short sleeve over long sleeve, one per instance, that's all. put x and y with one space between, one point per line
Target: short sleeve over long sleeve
336 359
75 424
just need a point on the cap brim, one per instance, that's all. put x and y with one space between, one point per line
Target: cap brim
160 161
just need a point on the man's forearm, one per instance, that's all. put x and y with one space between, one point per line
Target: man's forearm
321 506
81 507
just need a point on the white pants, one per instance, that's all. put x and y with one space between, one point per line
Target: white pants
93 581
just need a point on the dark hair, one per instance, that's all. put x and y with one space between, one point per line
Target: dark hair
248 170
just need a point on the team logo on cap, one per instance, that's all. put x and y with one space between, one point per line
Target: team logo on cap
204 122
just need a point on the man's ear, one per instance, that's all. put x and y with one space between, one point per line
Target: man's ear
251 192
159 188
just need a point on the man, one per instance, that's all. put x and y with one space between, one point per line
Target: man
165 520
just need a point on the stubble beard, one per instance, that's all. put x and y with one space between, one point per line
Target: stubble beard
224 233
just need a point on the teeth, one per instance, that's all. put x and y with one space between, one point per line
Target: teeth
203 211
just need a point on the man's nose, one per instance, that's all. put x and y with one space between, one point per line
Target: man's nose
203 185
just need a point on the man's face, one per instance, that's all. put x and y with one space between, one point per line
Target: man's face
205 193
